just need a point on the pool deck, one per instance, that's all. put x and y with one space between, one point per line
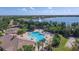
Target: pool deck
48 36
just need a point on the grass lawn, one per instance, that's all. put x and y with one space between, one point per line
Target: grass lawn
61 46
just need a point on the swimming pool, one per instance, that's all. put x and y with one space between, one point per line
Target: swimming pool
36 36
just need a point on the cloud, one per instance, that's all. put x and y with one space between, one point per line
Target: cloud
32 8
22 9
49 7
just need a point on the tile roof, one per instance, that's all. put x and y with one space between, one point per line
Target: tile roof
13 45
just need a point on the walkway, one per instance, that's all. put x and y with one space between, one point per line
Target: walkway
70 42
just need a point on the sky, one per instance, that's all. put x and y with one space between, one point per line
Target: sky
39 10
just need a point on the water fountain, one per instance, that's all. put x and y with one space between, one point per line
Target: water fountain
40 20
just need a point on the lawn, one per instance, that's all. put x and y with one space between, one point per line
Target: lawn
61 46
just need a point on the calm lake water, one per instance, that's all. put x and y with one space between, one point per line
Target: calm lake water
67 20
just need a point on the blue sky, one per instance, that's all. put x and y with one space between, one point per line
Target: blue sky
39 10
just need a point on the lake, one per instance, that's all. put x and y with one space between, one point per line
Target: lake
67 20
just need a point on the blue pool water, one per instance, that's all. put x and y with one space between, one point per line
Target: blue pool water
36 36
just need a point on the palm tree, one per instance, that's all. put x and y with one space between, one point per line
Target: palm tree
37 45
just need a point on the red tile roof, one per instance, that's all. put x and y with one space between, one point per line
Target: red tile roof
24 42
12 45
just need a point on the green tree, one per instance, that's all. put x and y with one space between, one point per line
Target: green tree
28 48
20 49
21 31
56 40
1 33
